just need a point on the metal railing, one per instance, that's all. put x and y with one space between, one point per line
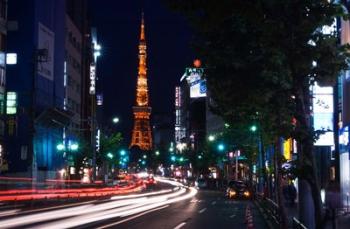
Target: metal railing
297 224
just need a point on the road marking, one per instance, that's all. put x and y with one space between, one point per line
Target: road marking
214 202
203 210
132 217
232 216
180 225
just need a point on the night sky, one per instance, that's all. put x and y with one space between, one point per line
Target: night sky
168 53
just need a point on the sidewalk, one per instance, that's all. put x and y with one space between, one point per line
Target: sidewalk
342 220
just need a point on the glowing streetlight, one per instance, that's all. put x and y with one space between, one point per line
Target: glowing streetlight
157 153
115 120
110 155
253 128
211 138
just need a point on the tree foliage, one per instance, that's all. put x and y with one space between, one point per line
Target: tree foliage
261 57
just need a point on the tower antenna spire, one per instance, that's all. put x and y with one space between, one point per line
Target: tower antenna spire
142 133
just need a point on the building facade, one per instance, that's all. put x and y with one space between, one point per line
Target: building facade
3 34
36 119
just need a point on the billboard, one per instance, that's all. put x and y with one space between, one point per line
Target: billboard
198 87
92 88
46 41
323 108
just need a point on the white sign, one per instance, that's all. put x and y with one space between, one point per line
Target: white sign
197 85
11 58
323 114
92 79
46 41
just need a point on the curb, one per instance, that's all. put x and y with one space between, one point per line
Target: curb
264 215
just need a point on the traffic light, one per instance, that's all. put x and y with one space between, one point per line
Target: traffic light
173 158
60 147
122 152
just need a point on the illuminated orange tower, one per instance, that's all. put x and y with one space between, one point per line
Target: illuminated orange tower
141 133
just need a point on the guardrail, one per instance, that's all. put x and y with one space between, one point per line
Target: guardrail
297 224
270 210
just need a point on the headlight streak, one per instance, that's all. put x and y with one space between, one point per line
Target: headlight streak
140 195
119 206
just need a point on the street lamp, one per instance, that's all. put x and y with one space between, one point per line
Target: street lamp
157 153
253 128
115 120
211 138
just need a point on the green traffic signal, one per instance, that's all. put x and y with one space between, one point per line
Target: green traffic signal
122 152
221 147
60 147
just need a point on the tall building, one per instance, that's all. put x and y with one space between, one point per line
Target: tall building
142 133
3 32
35 86
73 76
193 119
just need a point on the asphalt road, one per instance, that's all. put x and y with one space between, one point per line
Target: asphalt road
168 206
208 209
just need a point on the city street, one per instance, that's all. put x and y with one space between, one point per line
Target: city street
166 206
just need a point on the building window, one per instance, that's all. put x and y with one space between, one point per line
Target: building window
3 6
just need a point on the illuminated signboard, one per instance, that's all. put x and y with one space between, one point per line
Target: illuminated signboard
92 79
177 97
198 86
99 99
11 103
323 114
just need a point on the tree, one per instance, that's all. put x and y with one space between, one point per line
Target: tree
261 57
109 144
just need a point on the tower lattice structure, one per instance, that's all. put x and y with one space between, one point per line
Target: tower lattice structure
142 133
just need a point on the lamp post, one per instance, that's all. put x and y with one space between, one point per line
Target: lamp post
254 129
67 148
115 120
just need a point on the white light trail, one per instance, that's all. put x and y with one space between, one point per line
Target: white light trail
118 206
